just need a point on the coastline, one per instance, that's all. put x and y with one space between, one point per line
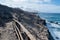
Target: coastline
53 29
34 24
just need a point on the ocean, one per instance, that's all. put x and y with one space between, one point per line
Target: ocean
53 28
55 17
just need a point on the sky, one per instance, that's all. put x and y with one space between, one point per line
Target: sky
47 6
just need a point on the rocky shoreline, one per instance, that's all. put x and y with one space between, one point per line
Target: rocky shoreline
33 23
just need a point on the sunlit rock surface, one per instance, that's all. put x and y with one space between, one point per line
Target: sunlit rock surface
33 23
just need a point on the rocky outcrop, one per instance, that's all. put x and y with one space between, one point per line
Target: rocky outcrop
33 23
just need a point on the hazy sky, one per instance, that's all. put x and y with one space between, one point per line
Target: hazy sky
52 6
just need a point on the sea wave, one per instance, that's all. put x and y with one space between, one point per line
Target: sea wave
54 29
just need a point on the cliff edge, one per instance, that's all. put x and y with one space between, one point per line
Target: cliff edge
33 23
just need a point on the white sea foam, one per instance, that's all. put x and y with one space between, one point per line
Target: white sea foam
55 25
53 29
57 33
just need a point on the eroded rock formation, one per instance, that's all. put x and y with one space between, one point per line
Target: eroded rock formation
33 23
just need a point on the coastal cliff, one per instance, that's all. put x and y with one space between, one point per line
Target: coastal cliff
33 23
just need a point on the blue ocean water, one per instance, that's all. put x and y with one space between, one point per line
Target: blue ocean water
55 17
54 29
